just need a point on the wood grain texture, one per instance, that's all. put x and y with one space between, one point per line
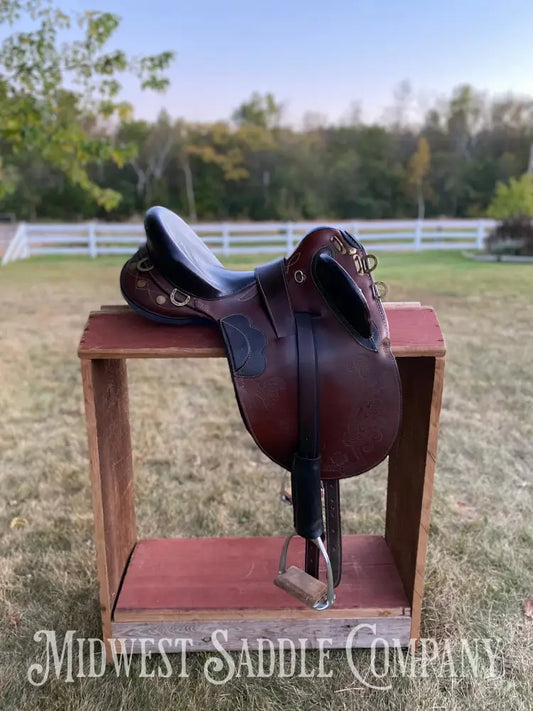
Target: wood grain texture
411 472
302 586
395 630
121 333
111 467
186 578
427 496
96 489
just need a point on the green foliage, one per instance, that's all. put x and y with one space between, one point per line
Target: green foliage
82 149
513 200
417 173
65 128
259 110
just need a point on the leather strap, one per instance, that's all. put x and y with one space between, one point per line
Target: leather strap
272 281
305 474
312 559
333 527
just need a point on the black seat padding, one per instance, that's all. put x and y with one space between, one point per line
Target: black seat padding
178 252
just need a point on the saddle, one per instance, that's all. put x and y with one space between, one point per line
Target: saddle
309 353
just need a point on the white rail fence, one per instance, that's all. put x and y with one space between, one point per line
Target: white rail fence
93 238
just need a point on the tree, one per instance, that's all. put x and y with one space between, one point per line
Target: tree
514 200
417 174
466 112
58 99
154 144
259 110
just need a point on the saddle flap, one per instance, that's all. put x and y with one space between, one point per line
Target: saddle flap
302 586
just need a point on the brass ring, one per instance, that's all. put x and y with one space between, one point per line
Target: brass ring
299 276
381 289
179 303
371 267
144 265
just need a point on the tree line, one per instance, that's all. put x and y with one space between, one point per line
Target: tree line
78 153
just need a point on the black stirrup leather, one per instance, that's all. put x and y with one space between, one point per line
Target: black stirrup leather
308 349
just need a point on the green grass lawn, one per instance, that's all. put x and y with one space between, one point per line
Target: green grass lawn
480 559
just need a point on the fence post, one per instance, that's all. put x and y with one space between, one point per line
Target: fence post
14 244
289 239
225 240
18 248
93 251
25 249
418 235
480 234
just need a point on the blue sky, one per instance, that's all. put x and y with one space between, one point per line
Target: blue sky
322 56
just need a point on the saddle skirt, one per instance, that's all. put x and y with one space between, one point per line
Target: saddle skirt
176 279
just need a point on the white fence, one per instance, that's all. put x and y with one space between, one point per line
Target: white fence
94 238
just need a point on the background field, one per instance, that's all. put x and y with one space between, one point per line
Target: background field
198 473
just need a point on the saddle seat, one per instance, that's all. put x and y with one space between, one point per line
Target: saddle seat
187 263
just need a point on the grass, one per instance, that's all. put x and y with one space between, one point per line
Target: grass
480 561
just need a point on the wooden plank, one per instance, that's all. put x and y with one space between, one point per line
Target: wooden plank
389 305
125 334
111 467
122 333
179 579
96 488
411 471
288 614
230 633
427 495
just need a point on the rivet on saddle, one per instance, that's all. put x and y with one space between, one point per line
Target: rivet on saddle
309 354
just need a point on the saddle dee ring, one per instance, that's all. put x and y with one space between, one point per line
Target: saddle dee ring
176 302
144 265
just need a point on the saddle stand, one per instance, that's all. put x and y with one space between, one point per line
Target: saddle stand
318 381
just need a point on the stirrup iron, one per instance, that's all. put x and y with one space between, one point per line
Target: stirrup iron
312 592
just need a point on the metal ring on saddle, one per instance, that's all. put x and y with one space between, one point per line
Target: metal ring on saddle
379 289
329 598
370 266
144 265
174 301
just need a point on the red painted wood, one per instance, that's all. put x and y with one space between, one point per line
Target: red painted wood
125 334
237 574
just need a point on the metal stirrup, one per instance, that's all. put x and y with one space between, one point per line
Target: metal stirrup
329 599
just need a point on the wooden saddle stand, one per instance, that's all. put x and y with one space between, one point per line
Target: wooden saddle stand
319 312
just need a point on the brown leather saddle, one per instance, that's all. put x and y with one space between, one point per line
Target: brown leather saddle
309 352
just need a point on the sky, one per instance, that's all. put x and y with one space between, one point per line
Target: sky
320 56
